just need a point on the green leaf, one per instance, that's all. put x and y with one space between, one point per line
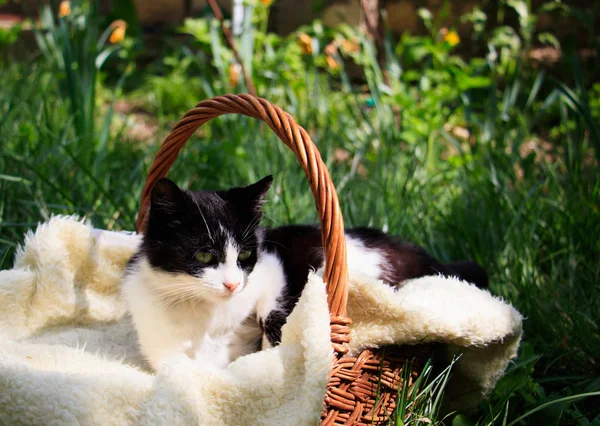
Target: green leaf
462 420
474 82
551 403
104 55
520 6
14 179
549 38
199 28
426 16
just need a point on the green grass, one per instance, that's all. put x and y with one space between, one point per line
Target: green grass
532 220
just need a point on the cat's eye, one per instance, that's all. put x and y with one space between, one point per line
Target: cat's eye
204 257
245 255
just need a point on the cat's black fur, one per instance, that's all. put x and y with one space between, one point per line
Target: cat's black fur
300 249
181 223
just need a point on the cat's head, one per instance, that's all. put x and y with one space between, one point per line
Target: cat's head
205 241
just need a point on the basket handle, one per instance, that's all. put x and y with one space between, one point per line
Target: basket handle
298 140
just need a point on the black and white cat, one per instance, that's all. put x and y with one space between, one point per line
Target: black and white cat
209 282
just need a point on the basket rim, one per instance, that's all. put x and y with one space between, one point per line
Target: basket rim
298 140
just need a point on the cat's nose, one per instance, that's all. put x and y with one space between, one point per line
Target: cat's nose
231 286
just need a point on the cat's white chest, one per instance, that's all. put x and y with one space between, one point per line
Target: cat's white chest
206 331
199 329
207 337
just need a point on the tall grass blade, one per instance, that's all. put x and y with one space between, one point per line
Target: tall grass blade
550 403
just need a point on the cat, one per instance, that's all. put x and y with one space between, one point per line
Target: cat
370 252
187 287
209 282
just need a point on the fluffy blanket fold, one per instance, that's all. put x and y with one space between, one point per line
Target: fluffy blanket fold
68 352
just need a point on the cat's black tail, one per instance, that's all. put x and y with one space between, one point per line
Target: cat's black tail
470 272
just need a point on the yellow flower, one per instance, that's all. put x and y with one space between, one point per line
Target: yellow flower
234 74
350 46
119 26
266 2
332 63
64 8
305 42
452 38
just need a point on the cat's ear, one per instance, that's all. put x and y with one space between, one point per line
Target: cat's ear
250 197
166 195
257 192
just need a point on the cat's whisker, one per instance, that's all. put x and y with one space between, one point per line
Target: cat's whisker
250 228
171 301
206 246
248 237
185 283
276 243
180 298
198 300
178 293
253 223
204 219
168 296
248 246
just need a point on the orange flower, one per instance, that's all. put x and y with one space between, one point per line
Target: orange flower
332 63
64 8
330 51
119 26
234 74
305 42
266 2
350 46
331 48
452 38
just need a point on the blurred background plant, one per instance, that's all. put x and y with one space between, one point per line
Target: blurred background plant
75 49
478 145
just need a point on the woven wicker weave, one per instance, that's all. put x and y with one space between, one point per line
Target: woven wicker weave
362 389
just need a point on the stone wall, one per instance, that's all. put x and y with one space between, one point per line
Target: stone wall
287 15
401 15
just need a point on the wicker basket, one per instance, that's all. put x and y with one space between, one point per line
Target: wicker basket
361 389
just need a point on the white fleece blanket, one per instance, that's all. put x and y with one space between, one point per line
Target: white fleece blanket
68 352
